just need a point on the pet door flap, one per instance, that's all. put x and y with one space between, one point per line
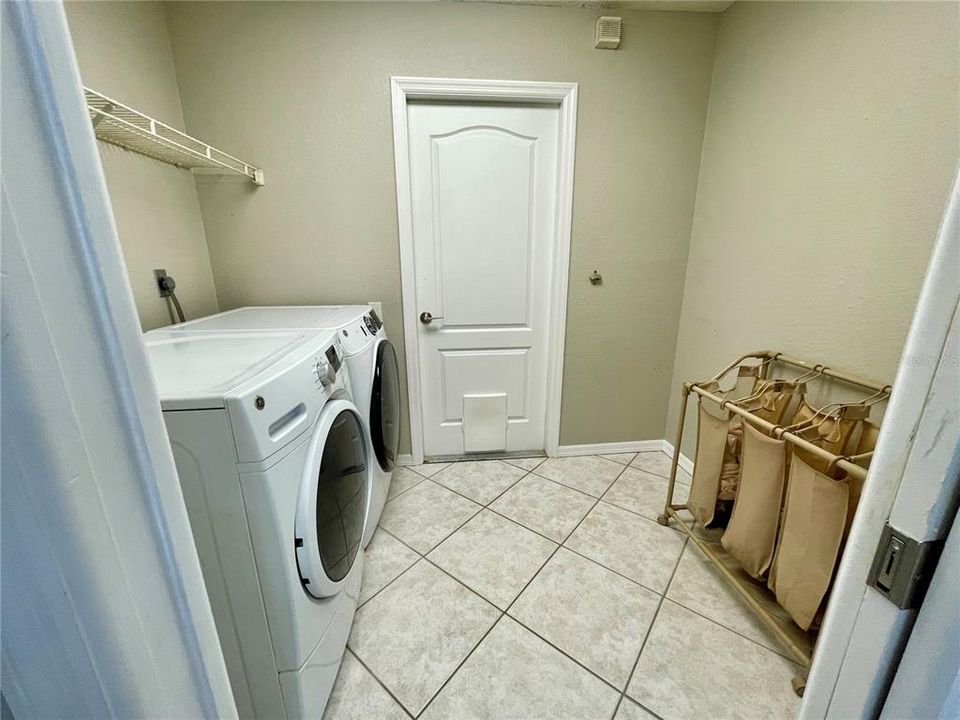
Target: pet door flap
485 422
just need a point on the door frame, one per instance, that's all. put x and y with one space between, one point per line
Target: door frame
564 97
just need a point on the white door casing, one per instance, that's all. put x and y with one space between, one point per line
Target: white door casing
484 182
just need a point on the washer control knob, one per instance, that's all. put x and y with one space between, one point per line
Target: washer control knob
326 373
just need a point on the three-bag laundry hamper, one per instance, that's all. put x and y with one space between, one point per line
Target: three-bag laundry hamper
775 484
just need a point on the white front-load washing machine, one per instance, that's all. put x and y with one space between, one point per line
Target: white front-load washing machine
374 376
275 470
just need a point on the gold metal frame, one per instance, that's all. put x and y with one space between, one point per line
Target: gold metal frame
802 652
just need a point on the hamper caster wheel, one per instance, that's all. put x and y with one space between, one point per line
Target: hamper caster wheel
799 683
663 520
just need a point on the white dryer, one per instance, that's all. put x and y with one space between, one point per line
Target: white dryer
372 361
274 466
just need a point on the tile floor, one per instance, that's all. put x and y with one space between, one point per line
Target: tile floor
544 588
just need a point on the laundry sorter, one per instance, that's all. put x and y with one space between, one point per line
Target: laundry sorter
783 447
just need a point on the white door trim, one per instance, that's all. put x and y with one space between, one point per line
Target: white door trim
562 95
104 604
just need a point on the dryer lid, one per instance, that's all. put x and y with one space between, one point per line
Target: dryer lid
208 365
288 317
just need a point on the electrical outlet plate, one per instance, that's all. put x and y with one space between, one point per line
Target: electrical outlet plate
158 275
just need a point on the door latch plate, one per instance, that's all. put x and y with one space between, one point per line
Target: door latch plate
902 568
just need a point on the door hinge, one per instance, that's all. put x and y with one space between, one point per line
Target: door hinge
902 568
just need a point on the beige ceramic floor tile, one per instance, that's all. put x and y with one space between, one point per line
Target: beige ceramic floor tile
425 515
658 463
594 615
698 586
384 559
629 710
544 506
428 469
479 480
525 463
415 633
622 458
493 556
643 493
693 668
514 674
586 473
356 694
403 479
629 544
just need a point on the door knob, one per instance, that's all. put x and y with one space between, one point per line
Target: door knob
426 317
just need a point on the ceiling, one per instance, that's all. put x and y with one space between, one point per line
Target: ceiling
714 6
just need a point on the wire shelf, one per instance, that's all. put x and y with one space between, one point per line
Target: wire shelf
118 124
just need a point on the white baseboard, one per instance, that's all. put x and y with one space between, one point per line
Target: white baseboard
610 448
685 463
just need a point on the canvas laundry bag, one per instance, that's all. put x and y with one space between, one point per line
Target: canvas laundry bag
831 433
814 520
719 437
751 534
712 428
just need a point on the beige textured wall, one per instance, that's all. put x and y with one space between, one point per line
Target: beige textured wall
123 50
303 89
831 141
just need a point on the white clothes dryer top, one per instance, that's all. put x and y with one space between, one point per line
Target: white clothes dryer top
276 475
372 361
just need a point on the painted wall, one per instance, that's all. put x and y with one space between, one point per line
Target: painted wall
831 142
303 90
123 50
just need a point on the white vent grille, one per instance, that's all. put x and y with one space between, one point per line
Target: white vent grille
608 33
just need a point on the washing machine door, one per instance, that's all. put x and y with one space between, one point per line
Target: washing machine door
334 500
385 406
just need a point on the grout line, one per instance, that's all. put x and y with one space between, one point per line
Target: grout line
735 632
645 517
460 665
649 631
631 701
567 655
467 497
662 595
597 500
380 527
615 572
391 582
582 492
559 545
378 681
504 612
425 477
406 490
541 459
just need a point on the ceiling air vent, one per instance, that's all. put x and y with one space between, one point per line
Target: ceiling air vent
608 33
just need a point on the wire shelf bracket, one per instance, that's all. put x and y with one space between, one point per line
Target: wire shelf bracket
121 125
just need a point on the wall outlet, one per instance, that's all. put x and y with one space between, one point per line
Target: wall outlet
160 277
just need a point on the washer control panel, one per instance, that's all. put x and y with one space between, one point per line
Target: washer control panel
327 366
359 333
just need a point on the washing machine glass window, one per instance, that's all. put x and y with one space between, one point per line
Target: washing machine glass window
385 406
334 501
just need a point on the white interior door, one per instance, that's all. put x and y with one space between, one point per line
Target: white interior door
483 179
